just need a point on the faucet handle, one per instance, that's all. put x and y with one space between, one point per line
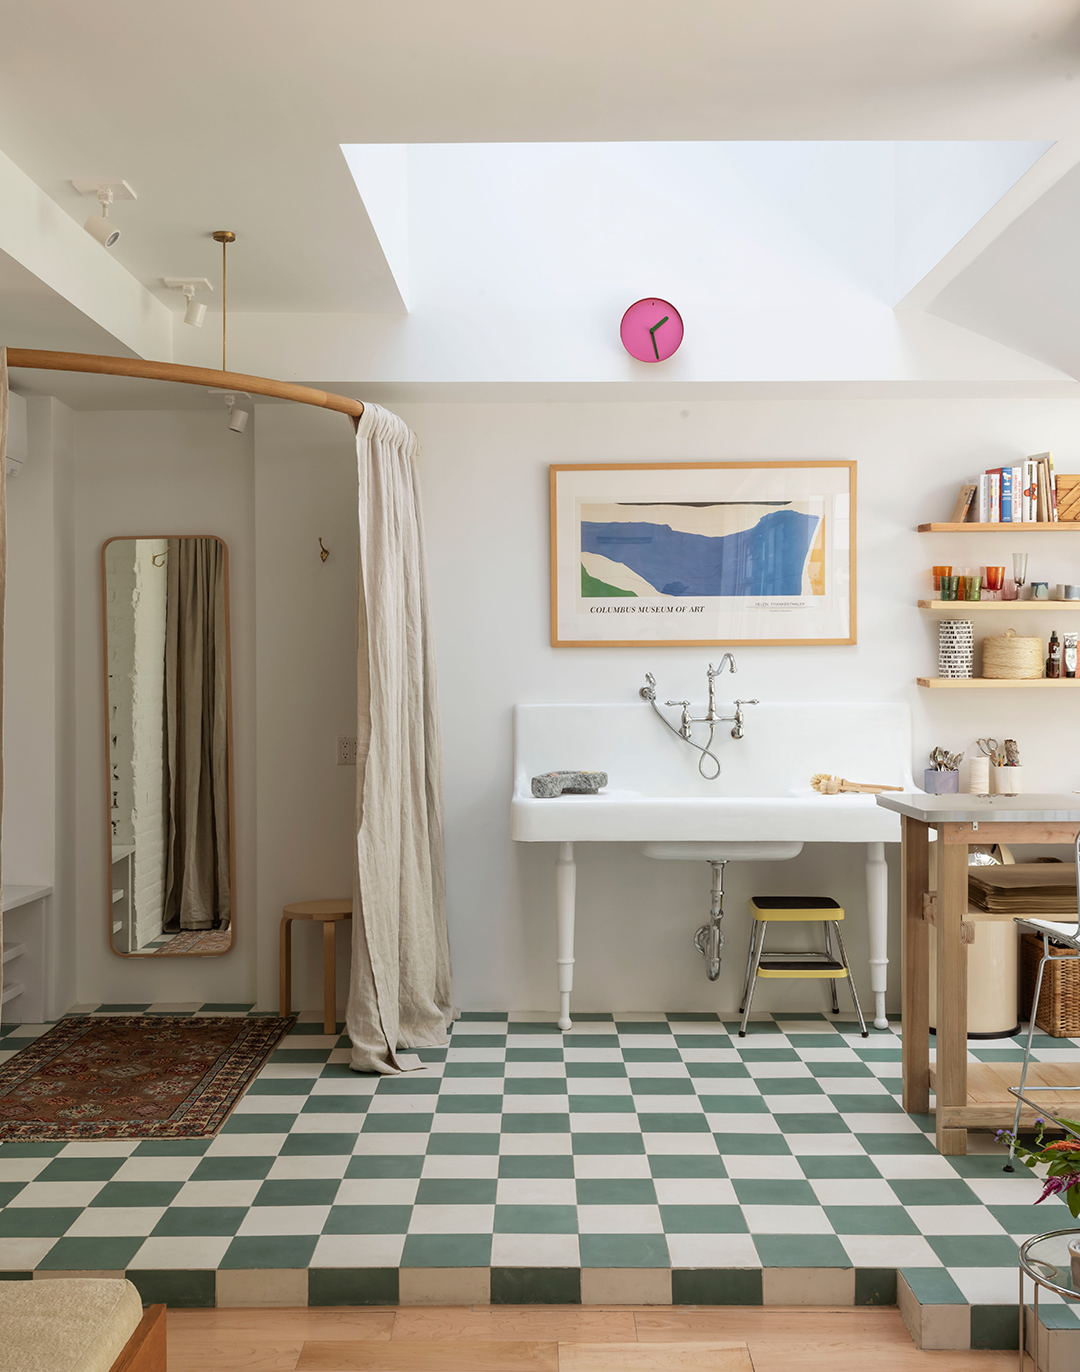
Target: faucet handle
748 702
684 703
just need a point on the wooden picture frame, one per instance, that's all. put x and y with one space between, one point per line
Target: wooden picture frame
703 554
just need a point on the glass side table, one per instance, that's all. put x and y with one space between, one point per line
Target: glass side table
1045 1259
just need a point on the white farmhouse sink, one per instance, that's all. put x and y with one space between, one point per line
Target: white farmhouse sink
761 807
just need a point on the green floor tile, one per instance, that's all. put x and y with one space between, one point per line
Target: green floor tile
632 1055
259 1124
281 1086
733 1105
703 1219
195 1220
535 1123
595 1069
477 1145
172 1148
317 1145
870 1219
661 1086
447 1250
1010 1054
37 1222
820 1168
353 1286
537 1165
220 1007
687 1165
754 1028
535 1286
1022 1219
81 1169
717 1069
875 1286
716 1286
535 1054
920 1192
536 1219
483 1017
975 1250
300 1055
136 1193
932 1286
810 1123
839 1069
455 1104
368 1219
615 1191
878 1054
532 1027
178 1290
9 1190
602 1105
397 1122
607 1143
995 1326
886 1144
316 1191
424 1054
894 1085
1059 1316
624 1250
478 1040
801 1250
872 1104
120 1009
335 1105
474 1069
232 1169
97 1255
767 1145
373 1165
533 1086
692 1017
456 1191
30 1150
643 1027
16 1276
765 1191
408 1086
570 1041
594 1017
789 1086
674 1123
987 1165
278 1251
703 1040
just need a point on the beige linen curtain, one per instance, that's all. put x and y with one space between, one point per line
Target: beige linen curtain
3 574
399 993
197 894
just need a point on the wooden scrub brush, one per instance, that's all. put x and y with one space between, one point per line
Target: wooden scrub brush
832 786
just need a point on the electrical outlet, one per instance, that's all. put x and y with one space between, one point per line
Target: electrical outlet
346 751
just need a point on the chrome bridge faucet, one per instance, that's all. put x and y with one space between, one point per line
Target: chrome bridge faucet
712 718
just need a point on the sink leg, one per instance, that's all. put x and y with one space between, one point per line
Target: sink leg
877 904
565 895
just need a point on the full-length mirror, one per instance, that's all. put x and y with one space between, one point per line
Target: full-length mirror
168 737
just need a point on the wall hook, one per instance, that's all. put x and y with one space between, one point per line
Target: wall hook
162 556
324 553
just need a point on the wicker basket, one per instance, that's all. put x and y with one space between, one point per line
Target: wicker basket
1009 658
1059 1004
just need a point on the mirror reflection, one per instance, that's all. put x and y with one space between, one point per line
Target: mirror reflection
170 872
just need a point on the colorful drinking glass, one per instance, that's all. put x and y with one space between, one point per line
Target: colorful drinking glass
971 586
939 572
949 588
993 580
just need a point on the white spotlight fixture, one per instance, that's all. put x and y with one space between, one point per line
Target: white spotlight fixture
100 226
238 416
195 312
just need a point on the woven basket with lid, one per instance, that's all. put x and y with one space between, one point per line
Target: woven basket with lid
1007 657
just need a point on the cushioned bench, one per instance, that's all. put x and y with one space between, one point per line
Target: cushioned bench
79 1324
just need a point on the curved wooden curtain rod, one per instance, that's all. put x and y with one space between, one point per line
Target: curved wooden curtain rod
190 376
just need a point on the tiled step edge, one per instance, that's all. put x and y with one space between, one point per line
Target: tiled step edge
937 1320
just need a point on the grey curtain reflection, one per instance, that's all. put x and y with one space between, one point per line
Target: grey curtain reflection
197 894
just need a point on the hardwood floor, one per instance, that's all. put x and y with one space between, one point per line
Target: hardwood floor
558 1339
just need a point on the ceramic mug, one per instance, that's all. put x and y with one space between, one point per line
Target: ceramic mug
1071 592
1040 590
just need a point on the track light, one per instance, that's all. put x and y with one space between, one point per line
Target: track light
238 416
100 226
195 312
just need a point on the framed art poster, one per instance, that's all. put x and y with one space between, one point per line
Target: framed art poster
697 554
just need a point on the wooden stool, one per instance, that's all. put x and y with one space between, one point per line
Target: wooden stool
329 912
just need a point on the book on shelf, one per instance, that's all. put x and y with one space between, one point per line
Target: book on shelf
964 500
1025 493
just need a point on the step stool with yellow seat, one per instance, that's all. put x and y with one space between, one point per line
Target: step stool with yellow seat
776 965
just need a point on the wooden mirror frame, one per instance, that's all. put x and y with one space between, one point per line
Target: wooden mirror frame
129 538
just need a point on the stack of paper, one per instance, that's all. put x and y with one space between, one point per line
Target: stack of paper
1025 888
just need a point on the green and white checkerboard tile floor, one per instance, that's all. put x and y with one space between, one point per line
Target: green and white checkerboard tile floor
639 1140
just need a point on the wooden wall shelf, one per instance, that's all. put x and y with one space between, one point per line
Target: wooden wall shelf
1022 605
985 683
1057 527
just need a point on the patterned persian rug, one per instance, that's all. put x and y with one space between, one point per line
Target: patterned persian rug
134 1076
195 942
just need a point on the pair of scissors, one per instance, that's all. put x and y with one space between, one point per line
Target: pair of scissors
988 746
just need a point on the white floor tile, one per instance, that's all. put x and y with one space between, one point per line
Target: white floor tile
344 1086
794 1026
889 1250
358 1250
55 1193
473 1086
853 1191
181 1254
452 1166
284 1219
115 1221
446 1122
875 1123
797 1105
954 1219
709 1055
987 1285
21 1169
536 1191
593 1086
377 1191
786 1219
535 1250
276 1071
295 1040
269 1105
914 1166
742 1124
762 1071
712 1250
695 1191
217 1193
619 1219
475 1055
390 1145
726 1086
1019 1189
246 1145
109 1148
528 1069
852 1086
385 1103
592 1055
647 1104
452 1219
643 1071
747 1165
23 1255
603 1123
156 1169
315 1168
660 1145
535 1105
536 1145
837 1054
615 1166
705 1026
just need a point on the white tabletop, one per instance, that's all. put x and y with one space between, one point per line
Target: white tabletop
958 809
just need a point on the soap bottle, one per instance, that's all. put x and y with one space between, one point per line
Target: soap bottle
1053 662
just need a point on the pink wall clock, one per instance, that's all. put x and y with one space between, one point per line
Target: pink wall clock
651 330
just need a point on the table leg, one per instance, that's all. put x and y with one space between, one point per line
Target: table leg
565 896
285 968
915 966
877 908
951 1074
329 937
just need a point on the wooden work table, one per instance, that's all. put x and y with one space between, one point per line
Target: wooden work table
960 821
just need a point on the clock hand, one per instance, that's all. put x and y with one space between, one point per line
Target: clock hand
652 334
